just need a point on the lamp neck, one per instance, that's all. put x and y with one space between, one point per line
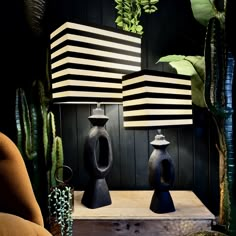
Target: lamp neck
98 118
160 142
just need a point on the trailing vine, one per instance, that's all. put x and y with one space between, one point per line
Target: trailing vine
149 6
60 210
129 13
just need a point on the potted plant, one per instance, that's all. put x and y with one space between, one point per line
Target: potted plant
60 205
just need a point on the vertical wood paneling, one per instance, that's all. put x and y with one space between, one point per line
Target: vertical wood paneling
144 45
69 138
151 136
171 135
112 126
78 10
95 11
109 13
201 158
127 155
142 155
151 46
82 128
185 141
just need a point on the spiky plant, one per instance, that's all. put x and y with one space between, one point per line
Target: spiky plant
41 149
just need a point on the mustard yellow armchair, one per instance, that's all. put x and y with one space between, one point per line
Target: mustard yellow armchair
19 210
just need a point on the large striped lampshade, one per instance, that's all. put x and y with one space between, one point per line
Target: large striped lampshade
88 62
156 99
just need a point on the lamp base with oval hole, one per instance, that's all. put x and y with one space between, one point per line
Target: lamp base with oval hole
98 161
161 175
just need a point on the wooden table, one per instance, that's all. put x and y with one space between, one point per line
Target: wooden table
129 214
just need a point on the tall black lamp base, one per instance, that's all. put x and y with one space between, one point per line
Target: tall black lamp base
162 202
97 194
98 161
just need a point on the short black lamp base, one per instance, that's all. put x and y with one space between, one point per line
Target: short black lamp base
97 194
161 176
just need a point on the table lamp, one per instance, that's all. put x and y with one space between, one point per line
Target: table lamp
155 100
87 65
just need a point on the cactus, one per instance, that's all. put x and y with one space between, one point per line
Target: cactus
37 141
219 67
55 154
27 123
57 162
23 124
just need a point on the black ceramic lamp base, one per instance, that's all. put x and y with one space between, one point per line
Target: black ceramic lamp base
161 176
98 162
162 202
97 194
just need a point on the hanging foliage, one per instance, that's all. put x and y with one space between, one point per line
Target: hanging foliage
129 13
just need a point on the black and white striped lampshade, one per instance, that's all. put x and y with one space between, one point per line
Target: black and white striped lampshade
156 99
88 62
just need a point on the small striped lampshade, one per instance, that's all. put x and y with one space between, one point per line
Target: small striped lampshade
156 99
88 62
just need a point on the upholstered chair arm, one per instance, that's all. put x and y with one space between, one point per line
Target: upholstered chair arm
16 193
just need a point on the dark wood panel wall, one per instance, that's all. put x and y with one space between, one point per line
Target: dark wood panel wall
171 30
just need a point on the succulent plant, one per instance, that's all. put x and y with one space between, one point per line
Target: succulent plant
60 210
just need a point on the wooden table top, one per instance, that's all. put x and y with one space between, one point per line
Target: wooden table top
135 205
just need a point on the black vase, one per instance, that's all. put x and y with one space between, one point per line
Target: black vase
98 162
161 176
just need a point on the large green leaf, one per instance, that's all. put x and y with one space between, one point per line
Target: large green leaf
192 66
171 58
198 62
203 10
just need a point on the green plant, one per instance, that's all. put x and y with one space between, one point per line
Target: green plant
30 128
217 91
129 13
41 149
55 152
60 210
193 66
219 68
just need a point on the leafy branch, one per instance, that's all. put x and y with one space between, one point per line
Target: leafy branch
129 13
